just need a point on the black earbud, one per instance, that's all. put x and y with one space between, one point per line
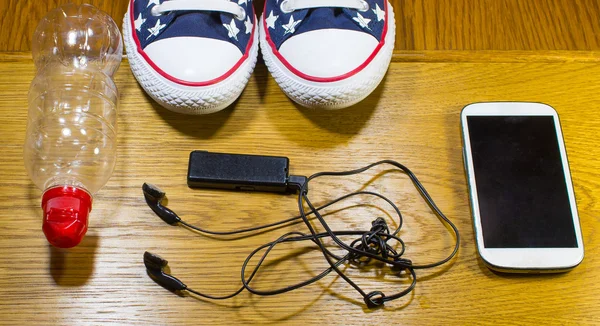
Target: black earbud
155 265
154 196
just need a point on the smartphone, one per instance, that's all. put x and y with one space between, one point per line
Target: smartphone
522 199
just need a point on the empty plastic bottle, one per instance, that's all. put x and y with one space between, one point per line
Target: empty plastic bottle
70 146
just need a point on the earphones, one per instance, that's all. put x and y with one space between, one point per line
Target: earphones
155 266
378 243
154 196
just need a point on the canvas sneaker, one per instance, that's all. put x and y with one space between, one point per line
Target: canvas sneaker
327 53
191 56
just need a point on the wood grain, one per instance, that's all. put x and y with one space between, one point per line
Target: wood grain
413 117
421 24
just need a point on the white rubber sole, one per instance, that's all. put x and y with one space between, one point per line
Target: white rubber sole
331 95
188 99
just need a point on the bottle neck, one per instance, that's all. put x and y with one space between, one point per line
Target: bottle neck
63 181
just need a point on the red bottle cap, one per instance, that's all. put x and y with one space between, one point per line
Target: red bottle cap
66 211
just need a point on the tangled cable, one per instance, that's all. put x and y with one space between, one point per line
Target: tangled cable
378 243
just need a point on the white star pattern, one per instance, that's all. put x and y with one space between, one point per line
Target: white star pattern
362 21
139 22
156 29
155 2
380 13
232 29
290 27
242 1
271 20
248 25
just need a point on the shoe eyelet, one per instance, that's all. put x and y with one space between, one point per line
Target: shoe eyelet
284 7
154 11
241 15
365 6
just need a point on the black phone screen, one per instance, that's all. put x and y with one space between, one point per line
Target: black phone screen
520 179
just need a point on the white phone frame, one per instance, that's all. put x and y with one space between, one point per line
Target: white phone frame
520 259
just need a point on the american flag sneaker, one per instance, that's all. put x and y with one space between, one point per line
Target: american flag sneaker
327 53
191 56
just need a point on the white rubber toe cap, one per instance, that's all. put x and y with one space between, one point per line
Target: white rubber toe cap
328 53
193 59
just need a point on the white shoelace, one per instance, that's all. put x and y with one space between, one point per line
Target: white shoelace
205 5
288 6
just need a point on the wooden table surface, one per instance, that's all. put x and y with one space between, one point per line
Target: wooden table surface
413 117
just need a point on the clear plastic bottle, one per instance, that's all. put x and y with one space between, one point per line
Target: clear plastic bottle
70 146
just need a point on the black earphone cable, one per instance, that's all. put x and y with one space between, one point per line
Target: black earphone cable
287 222
416 182
299 237
371 244
358 250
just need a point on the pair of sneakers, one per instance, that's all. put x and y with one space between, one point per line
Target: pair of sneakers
196 56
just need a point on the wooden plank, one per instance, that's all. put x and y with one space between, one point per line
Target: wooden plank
498 25
413 117
421 24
